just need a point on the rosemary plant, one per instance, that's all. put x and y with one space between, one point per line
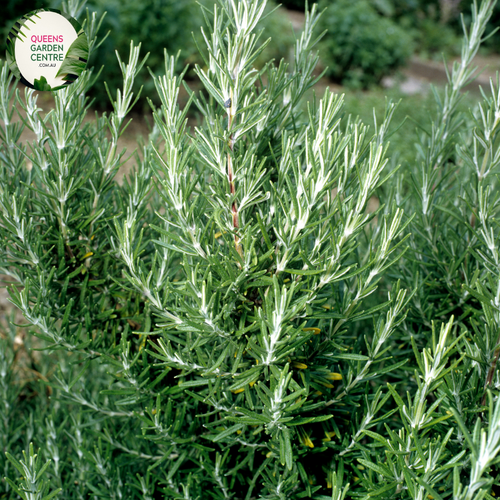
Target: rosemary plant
233 322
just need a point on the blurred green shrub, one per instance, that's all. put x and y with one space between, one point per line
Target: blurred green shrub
437 24
433 37
159 24
361 45
437 29
153 23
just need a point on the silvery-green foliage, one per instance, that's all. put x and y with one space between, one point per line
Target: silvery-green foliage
451 266
232 321
264 210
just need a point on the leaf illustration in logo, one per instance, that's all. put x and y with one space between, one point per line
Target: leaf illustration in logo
41 84
16 34
76 59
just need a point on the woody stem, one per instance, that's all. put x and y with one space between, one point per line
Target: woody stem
234 206
491 371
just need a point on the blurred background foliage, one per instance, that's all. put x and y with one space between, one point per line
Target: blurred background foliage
390 30
168 24
366 39
361 46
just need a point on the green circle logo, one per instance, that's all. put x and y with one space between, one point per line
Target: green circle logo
47 50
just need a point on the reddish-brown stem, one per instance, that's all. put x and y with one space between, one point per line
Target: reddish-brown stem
491 372
234 207
473 219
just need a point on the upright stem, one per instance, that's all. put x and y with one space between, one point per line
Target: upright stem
492 369
234 206
481 176
64 230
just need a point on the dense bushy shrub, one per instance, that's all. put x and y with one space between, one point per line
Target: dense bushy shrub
236 321
361 46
